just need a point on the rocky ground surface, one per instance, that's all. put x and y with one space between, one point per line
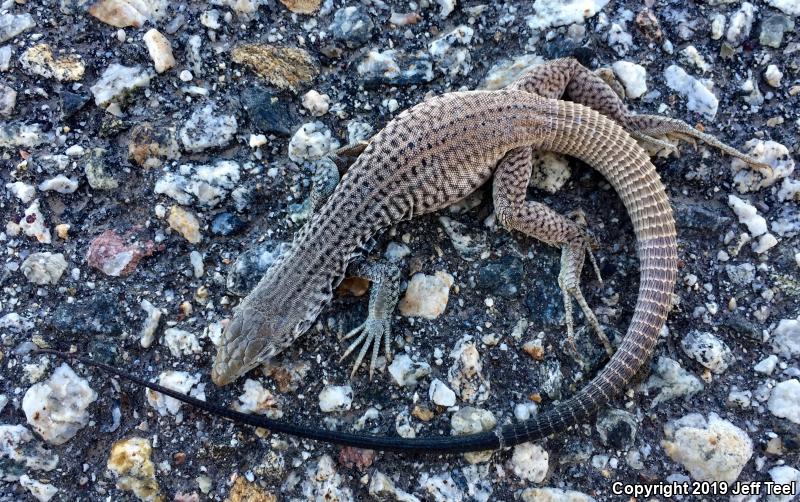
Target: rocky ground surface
156 154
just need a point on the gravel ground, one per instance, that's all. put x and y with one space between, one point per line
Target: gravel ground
156 154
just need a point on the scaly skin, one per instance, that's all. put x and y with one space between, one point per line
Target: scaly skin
433 155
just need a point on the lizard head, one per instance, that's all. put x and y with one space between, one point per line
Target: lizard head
269 319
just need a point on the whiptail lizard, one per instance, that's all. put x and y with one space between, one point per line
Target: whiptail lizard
433 155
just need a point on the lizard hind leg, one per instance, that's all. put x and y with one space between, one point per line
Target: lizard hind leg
382 302
539 221
651 127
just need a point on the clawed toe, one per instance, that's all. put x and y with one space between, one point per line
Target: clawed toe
372 332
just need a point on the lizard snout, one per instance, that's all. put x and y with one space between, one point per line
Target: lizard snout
246 343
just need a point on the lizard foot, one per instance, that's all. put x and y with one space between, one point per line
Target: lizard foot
650 127
573 254
372 332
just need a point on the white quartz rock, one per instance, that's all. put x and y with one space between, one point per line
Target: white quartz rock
426 295
207 185
698 97
20 451
208 128
748 215
784 402
317 104
632 76
116 82
786 338
22 191
181 342
336 398
44 268
312 141
180 381
406 372
786 476
42 492
554 495
32 224
790 7
441 394
708 350
710 449
160 50
776 155
529 462
150 323
60 184
562 12
58 407
258 400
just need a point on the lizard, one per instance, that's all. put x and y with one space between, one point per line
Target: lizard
433 155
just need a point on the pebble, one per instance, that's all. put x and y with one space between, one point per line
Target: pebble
766 365
227 224
180 342
257 400
773 75
302 6
60 184
786 338
122 13
23 191
446 7
148 146
773 29
207 128
312 141
96 174
244 491
204 185
618 39
24 135
185 223
451 51
562 12
39 60
784 402
42 492
180 381
21 451
394 67
673 380
530 462
468 246
160 50
632 76
44 268
283 67
550 171
316 103
465 375
740 25
708 350
748 215
439 393
717 26
58 407
790 7
12 25
710 449
509 70
130 463
406 372
267 113
33 225
324 483
117 81
784 475
396 251
426 295
352 25
8 100
769 152
5 57
335 398
150 323
554 495
110 253
699 98
440 487
382 487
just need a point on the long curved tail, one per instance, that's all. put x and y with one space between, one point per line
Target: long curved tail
599 141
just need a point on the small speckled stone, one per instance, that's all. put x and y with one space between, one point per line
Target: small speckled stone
131 464
283 67
185 223
160 50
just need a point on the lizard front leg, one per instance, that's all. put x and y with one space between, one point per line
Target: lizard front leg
539 221
568 78
385 290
